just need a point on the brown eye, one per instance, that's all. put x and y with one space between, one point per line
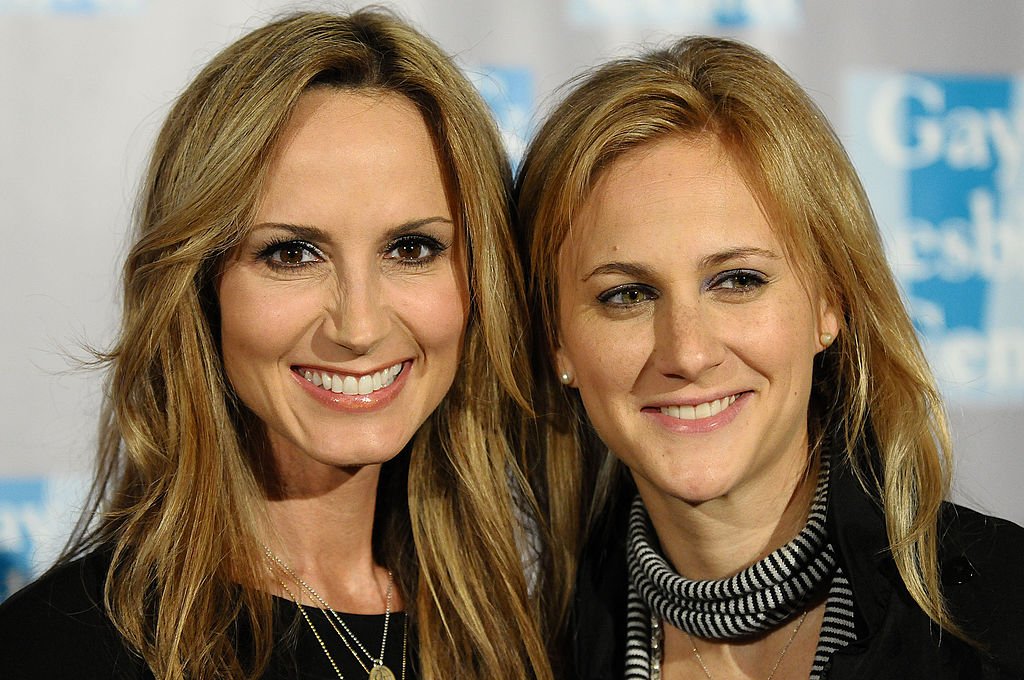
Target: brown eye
410 251
291 254
414 250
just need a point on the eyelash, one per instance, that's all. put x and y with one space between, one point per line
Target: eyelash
741 281
434 247
270 253
608 297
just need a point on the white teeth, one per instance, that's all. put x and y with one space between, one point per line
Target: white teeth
705 410
351 384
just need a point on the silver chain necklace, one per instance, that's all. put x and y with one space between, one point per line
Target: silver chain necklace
377 670
658 650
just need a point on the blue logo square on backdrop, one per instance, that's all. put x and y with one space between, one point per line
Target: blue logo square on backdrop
36 517
941 158
21 506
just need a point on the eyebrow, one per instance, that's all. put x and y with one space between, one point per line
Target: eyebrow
310 233
641 271
738 253
630 269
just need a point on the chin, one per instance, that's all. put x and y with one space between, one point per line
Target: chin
362 458
694 488
348 451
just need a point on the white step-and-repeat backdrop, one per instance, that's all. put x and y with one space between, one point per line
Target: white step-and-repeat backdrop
928 95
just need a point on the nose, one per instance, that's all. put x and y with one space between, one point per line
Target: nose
687 341
357 315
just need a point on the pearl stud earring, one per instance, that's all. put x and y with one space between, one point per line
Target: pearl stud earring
826 339
565 378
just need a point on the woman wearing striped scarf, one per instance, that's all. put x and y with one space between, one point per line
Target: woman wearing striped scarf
746 454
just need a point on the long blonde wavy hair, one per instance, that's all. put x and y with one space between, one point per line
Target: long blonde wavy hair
180 481
873 396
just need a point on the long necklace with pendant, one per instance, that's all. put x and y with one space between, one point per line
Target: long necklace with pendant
377 669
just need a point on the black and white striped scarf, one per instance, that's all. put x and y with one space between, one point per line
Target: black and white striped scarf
758 599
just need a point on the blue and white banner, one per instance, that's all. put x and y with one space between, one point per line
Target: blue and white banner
36 518
704 13
70 6
508 92
941 158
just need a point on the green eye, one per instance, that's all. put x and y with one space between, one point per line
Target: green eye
628 295
738 280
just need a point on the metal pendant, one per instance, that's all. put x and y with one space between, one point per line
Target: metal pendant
380 672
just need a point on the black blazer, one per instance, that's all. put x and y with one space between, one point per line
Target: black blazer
57 628
982 570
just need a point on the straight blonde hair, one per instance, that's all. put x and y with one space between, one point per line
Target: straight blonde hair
874 399
181 475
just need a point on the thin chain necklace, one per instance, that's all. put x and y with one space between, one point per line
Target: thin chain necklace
377 670
657 640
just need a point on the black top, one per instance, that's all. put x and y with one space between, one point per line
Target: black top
56 628
982 570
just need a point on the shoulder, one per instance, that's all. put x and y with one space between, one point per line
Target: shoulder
981 551
57 627
981 560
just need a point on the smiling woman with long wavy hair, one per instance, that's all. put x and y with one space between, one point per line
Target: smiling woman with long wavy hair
309 460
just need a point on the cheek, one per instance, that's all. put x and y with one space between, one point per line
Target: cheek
259 324
240 316
605 355
779 343
437 312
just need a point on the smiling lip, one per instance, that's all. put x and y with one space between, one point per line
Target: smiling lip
352 392
697 418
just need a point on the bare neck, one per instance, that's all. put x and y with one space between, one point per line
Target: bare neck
322 529
721 537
